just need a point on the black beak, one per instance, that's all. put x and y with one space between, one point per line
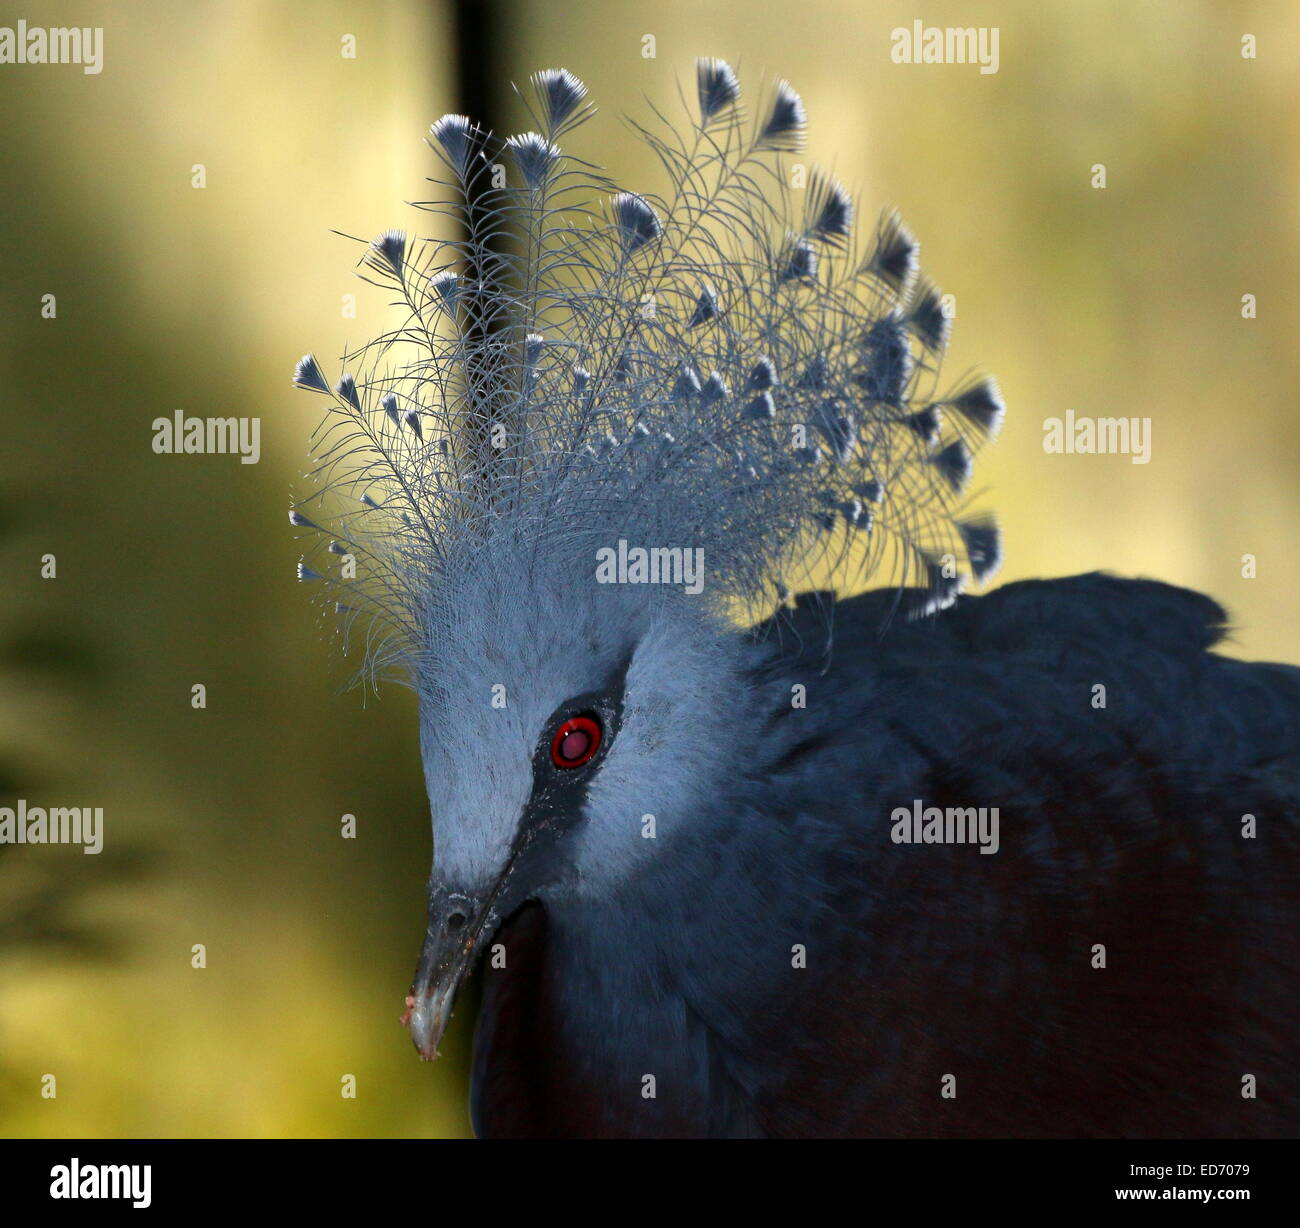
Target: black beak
457 923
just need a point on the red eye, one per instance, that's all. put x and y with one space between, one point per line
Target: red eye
575 741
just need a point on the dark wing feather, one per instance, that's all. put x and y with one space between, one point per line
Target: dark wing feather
1120 826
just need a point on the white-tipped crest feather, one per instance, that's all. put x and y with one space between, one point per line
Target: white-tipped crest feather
696 368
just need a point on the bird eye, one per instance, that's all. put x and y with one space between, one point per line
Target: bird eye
575 741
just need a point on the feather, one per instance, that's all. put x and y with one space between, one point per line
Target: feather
717 86
830 211
763 376
444 288
816 374
800 261
953 463
637 222
535 156
981 405
347 390
926 316
565 374
786 120
889 362
456 136
893 259
983 546
870 490
714 390
561 96
387 254
706 307
925 422
308 375
686 385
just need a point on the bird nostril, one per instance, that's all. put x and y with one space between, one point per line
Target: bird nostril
455 921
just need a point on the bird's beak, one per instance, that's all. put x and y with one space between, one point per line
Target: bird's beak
456 924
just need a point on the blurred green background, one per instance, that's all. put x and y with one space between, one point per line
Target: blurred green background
222 826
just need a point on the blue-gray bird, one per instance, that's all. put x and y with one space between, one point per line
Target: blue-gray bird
733 862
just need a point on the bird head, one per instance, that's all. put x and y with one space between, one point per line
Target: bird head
610 426
566 726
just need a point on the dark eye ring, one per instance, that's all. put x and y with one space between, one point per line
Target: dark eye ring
575 741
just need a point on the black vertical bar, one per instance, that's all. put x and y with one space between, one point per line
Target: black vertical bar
481 82
480 60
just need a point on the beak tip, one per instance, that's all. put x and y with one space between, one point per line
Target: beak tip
444 962
426 1017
